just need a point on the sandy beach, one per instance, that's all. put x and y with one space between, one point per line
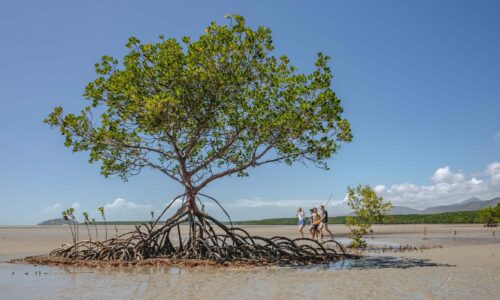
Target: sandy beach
461 265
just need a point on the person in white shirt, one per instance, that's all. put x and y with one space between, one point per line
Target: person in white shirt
302 220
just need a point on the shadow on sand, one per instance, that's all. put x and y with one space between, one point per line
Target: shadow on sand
379 262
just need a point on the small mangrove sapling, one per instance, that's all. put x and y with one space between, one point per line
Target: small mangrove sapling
71 214
66 218
95 225
369 208
101 210
87 221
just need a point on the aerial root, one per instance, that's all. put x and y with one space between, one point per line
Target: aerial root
232 244
208 239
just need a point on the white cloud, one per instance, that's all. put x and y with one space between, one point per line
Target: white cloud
379 188
446 175
496 136
54 208
120 203
121 209
76 205
449 187
493 170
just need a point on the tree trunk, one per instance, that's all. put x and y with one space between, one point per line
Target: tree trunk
192 210
191 201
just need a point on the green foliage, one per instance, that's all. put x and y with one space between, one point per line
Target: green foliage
101 211
490 215
357 242
86 217
199 110
369 208
459 217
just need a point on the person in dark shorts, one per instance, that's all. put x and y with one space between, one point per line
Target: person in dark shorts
324 222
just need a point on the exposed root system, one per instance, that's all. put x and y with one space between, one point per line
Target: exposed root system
208 239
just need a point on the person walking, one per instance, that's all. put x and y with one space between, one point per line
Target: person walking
302 220
315 221
324 222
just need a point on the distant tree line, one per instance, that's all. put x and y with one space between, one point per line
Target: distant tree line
460 217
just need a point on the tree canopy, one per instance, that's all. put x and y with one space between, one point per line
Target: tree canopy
199 110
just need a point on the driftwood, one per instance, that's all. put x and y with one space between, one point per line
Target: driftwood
208 239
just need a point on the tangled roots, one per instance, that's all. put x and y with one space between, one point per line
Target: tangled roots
208 239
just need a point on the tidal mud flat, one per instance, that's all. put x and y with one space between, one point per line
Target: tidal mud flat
465 266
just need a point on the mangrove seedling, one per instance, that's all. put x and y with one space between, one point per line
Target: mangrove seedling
101 210
66 218
95 225
87 221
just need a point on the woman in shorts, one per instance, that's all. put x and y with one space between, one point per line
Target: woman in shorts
315 221
302 220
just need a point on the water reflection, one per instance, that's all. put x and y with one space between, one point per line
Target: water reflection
376 262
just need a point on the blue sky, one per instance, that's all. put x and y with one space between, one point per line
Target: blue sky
419 82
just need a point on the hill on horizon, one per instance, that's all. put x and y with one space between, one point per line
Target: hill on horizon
466 205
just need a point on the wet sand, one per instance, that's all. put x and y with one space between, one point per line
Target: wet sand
466 267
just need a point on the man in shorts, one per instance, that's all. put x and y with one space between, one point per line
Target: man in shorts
324 222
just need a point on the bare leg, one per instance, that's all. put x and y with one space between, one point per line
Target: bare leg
331 234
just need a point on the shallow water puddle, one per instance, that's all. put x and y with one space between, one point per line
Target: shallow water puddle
375 262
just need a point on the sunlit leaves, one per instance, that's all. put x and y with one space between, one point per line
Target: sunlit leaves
369 208
201 109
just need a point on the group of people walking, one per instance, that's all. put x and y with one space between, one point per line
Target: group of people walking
317 220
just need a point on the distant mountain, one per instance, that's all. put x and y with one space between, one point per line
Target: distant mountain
58 221
467 205
403 210
473 199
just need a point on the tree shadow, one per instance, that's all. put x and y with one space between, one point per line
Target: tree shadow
380 262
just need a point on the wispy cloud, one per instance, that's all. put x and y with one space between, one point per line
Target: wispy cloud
52 208
121 209
295 203
120 203
493 171
496 136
